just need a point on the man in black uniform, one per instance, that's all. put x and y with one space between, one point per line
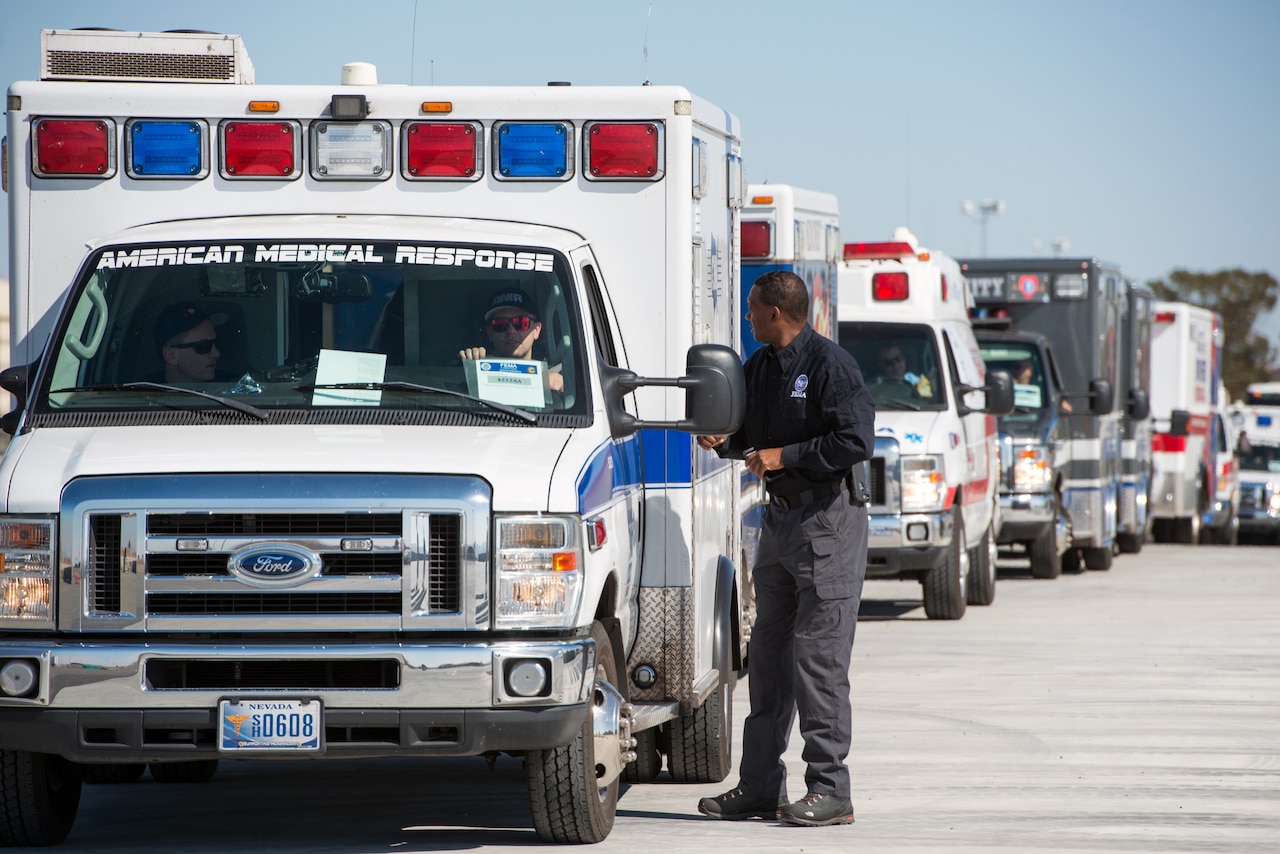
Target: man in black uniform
809 420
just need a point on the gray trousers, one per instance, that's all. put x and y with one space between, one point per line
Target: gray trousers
808 583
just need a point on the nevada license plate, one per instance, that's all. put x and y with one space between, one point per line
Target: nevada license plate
265 725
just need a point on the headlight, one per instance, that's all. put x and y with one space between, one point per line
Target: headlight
1274 503
26 572
924 484
538 566
1031 469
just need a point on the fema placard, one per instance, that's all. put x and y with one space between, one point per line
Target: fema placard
515 382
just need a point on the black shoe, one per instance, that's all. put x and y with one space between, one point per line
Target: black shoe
817 810
737 805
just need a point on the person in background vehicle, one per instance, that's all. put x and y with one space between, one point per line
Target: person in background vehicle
809 420
188 342
892 363
512 326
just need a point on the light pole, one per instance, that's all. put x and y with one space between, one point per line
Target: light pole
982 210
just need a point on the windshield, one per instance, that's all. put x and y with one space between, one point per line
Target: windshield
899 362
335 332
1023 363
1261 458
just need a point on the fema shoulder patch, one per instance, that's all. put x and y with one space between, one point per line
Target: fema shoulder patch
802 383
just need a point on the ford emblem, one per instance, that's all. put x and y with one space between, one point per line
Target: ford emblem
274 565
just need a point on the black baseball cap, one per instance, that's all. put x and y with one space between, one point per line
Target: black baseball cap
511 299
182 317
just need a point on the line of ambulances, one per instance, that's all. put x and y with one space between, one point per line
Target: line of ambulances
356 421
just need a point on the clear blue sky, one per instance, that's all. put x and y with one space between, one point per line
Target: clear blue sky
1145 132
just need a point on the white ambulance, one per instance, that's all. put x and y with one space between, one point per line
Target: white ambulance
1257 418
265 498
935 509
1188 414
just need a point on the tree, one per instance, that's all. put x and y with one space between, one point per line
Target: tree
1240 298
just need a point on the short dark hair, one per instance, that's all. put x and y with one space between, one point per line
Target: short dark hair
785 290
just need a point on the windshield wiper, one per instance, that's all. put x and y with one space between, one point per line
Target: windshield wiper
898 404
254 411
520 414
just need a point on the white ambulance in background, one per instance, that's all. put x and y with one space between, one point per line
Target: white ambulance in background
935 508
1193 497
1258 450
343 539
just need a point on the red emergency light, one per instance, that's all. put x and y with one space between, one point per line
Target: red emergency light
944 287
1164 317
74 147
260 149
623 150
890 287
757 239
1167 443
442 150
878 251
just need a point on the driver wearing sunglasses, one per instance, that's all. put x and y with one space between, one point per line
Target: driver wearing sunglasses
511 325
188 342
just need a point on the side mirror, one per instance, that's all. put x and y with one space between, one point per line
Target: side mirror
999 389
1179 422
17 381
1139 406
715 394
1102 397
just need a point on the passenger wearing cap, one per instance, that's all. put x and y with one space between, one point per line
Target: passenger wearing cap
512 325
188 343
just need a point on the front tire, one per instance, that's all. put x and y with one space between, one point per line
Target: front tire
565 797
39 798
944 593
1099 558
982 572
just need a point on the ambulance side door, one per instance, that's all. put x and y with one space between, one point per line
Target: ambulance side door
981 462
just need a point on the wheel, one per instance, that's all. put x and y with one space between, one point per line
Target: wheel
1071 560
1044 555
1228 534
1130 544
41 794
1099 558
1162 530
648 764
944 586
982 572
112 772
568 803
1186 530
701 742
190 771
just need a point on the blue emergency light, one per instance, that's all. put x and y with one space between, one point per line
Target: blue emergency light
166 149
534 150
1264 420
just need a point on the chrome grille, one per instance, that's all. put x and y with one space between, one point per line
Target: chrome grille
415 556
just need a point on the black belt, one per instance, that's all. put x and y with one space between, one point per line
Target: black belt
806 496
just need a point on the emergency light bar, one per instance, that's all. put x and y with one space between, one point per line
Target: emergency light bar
166 149
73 148
757 239
1164 317
442 150
258 150
883 251
622 151
533 151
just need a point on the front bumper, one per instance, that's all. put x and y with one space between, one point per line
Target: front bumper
907 544
111 701
1027 515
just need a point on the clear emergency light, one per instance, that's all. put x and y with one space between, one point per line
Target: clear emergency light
757 239
261 150
1073 286
442 151
890 287
623 151
351 151
533 150
73 148
166 149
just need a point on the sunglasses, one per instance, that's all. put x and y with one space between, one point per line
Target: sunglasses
891 360
519 324
203 347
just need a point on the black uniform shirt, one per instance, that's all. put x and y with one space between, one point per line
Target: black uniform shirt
810 400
